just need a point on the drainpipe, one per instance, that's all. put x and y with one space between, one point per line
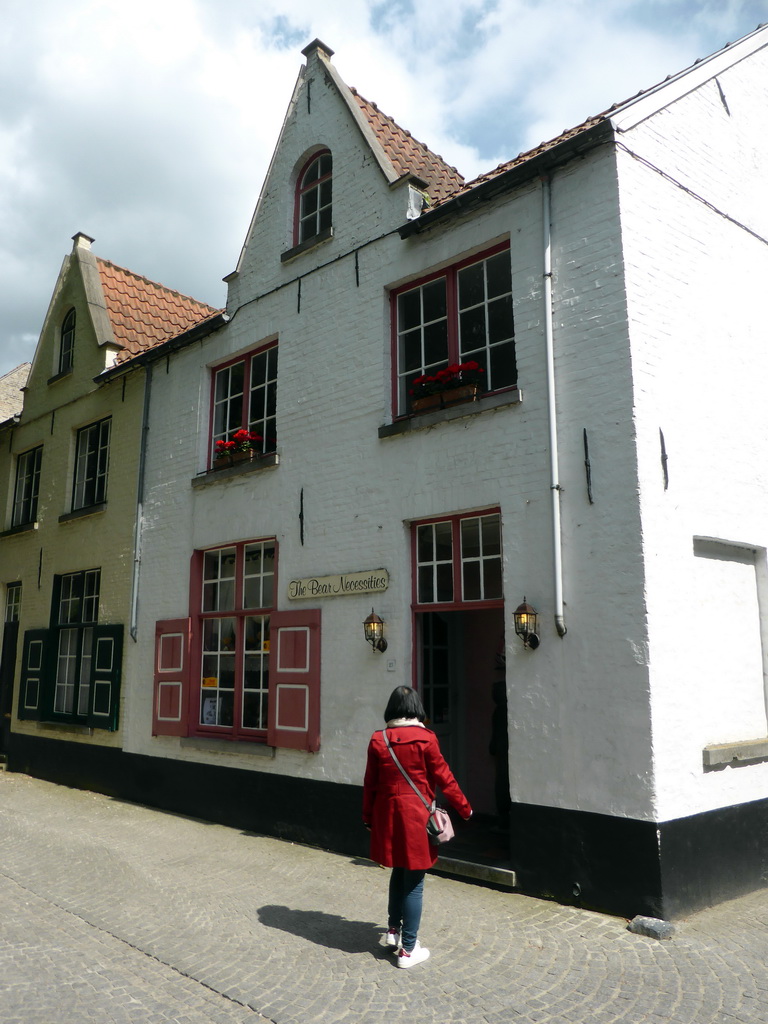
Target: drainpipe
140 503
554 468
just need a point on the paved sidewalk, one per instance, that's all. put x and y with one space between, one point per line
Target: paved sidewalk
111 912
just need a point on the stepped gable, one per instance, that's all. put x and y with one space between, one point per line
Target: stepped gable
408 155
143 313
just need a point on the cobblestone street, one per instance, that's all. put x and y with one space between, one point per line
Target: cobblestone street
113 912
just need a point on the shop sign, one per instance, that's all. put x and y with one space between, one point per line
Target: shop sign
371 581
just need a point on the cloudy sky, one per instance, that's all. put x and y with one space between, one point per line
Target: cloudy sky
149 124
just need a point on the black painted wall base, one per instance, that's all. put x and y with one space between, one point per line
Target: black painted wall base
615 865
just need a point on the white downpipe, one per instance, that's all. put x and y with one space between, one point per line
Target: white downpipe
137 538
554 467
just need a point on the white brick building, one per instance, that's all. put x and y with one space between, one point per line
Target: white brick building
609 472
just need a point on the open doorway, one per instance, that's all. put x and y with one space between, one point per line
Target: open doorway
457 663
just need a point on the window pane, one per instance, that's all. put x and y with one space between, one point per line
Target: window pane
426 589
66 672
502 368
84 688
444 582
258 576
436 346
500 323
470 538
491 526
410 352
256 672
472 330
472 590
228 401
234 678
499 274
471 285
309 203
434 299
263 398
219 580
443 541
91 465
409 310
424 543
13 602
226 708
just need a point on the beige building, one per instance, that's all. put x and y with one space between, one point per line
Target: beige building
69 480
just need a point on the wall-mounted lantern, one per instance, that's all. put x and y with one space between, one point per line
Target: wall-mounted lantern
374 632
526 618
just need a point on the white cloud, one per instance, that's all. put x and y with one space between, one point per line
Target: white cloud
150 125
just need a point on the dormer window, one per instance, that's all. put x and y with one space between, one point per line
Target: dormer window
314 198
67 346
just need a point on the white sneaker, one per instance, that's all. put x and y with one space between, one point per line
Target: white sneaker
417 956
392 939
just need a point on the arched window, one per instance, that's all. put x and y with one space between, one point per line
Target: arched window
67 347
314 197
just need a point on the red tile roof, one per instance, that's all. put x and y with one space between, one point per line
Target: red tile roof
529 154
144 314
408 155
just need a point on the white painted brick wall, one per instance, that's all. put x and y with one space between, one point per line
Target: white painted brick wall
700 362
672 275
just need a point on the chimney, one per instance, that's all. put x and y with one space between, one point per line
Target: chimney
82 241
317 47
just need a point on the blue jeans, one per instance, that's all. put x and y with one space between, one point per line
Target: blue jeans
406 889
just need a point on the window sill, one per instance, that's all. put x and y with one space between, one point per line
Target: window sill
419 421
70 727
22 528
213 476
60 376
206 743
82 513
311 243
720 755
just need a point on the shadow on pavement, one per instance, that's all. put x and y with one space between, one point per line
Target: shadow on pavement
325 929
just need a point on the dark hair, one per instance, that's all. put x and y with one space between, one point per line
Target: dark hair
404 703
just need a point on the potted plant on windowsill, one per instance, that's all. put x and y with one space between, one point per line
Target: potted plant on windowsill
241 447
459 382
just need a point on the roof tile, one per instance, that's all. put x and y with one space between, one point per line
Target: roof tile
145 314
408 155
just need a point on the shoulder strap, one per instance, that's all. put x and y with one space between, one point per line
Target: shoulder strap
406 776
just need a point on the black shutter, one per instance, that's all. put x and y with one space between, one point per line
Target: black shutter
36 675
106 671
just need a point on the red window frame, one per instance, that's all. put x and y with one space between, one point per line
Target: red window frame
293 677
303 189
265 423
239 613
400 398
458 601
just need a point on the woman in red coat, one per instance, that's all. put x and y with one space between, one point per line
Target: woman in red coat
398 819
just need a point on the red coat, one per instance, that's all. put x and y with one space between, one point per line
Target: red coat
398 819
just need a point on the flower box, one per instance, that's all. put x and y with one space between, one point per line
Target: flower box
444 399
458 382
243 446
233 458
